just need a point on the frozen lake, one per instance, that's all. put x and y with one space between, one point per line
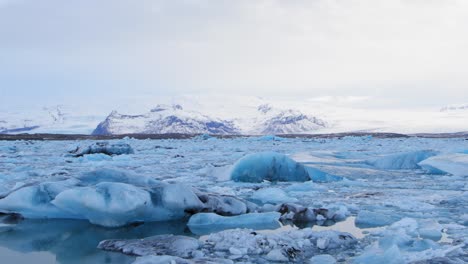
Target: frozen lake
400 199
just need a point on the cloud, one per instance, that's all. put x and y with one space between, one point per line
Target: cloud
404 49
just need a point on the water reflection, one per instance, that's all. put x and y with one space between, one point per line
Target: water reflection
73 241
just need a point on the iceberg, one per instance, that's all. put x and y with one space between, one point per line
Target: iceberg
103 148
205 223
107 204
402 161
113 198
268 166
454 164
34 201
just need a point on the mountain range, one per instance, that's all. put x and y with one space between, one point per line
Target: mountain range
175 119
226 115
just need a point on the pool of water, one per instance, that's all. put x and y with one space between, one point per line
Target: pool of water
72 241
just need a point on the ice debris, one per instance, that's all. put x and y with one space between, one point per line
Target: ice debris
268 166
241 245
298 213
104 148
181 246
403 242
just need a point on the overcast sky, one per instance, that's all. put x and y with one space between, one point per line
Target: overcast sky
406 51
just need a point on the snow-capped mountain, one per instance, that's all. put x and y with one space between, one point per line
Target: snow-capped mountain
274 121
231 115
175 119
450 108
165 119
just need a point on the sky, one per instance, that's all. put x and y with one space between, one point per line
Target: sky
88 52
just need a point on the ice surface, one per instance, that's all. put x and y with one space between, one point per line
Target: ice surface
181 246
176 260
272 195
402 161
375 219
455 164
317 175
205 223
322 259
113 175
268 166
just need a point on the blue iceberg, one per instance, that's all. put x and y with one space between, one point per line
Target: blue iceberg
268 166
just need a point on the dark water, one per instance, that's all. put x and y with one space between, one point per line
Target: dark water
73 241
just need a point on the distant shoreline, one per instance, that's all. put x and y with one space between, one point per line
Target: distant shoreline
62 137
